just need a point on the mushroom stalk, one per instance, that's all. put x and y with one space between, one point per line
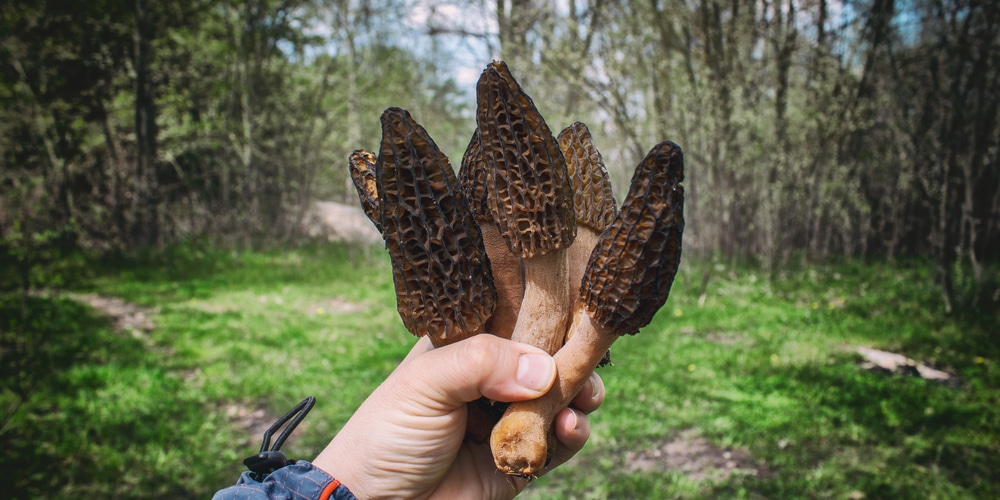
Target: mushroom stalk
523 441
546 304
507 279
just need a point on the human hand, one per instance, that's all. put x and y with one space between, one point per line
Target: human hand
406 439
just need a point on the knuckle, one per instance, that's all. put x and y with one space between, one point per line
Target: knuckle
480 350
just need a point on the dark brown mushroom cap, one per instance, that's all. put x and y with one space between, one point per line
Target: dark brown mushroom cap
629 274
362 166
530 192
592 198
444 285
472 177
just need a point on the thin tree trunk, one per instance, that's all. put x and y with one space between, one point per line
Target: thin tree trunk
118 204
146 223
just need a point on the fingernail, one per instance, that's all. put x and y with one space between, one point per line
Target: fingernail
535 371
574 420
594 386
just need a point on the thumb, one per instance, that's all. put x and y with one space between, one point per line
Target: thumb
483 365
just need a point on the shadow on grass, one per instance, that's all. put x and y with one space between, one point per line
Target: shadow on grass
885 436
833 430
88 411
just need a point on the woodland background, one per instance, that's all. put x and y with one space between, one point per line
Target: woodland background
813 129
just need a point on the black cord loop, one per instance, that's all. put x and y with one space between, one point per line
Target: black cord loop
268 461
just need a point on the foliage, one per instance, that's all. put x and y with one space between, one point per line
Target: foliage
90 410
821 128
764 365
207 119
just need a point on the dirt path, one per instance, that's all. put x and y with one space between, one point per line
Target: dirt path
340 222
125 316
689 454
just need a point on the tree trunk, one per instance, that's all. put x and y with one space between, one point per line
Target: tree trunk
146 228
515 20
118 165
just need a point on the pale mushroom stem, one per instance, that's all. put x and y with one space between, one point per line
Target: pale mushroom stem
508 280
577 257
547 304
522 441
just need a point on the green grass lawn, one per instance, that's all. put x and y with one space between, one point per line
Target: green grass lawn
759 372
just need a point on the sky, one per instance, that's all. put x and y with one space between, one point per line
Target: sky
466 33
471 53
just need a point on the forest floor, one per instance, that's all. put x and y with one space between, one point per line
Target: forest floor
159 374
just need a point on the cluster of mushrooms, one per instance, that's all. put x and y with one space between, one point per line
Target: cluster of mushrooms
526 243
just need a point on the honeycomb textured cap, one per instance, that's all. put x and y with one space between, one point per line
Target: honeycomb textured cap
362 166
630 272
472 177
593 200
530 193
444 285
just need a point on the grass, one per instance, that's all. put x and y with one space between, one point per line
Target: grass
762 366
768 366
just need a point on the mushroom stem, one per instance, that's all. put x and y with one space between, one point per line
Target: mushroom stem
546 305
522 441
578 255
508 280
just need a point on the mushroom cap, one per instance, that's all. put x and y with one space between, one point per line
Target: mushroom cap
630 272
530 192
472 177
593 200
362 166
444 285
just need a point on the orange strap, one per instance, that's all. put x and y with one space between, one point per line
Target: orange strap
325 494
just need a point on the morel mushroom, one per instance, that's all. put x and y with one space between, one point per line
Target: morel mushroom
593 201
507 279
531 198
444 287
628 278
362 167
506 266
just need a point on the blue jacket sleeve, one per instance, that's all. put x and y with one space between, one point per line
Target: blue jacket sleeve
298 481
